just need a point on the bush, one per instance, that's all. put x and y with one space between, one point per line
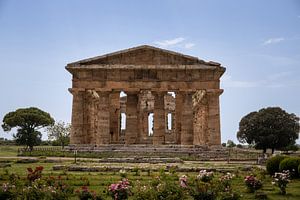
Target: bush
290 164
120 190
205 176
299 169
273 164
252 183
203 191
281 180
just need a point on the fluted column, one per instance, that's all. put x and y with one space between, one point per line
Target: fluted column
187 119
201 119
115 116
89 118
159 118
214 130
131 118
178 116
76 135
103 119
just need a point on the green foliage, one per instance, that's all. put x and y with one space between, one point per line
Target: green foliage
203 191
136 171
290 164
84 193
269 128
120 190
4 141
252 183
230 143
99 182
291 147
27 121
261 196
272 165
59 133
281 180
229 196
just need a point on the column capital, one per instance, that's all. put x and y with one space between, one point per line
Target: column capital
212 92
76 90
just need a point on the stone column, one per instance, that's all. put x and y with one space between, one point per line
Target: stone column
76 135
187 119
159 119
201 122
103 119
178 114
140 118
90 118
115 116
214 130
145 126
131 118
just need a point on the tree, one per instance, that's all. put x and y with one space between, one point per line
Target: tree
269 128
59 132
230 143
27 121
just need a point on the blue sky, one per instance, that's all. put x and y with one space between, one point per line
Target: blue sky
257 41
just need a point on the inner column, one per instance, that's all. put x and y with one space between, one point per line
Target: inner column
187 119
159 118
114 116
131 118
178 116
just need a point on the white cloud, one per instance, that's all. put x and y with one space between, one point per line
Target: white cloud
228 82
169 43
178 42
273 40
276 80
189 45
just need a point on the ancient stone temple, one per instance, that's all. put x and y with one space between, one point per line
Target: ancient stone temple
166 98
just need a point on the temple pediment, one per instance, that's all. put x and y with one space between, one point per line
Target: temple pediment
143 55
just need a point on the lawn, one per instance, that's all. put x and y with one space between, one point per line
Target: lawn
9 150
99 181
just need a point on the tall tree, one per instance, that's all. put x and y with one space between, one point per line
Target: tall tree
270 127
59 132
27 121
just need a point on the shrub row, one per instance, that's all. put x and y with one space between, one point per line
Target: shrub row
280 163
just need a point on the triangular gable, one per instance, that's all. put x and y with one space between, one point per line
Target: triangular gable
142 55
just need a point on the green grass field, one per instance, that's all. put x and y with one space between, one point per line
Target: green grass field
99 181
9 150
